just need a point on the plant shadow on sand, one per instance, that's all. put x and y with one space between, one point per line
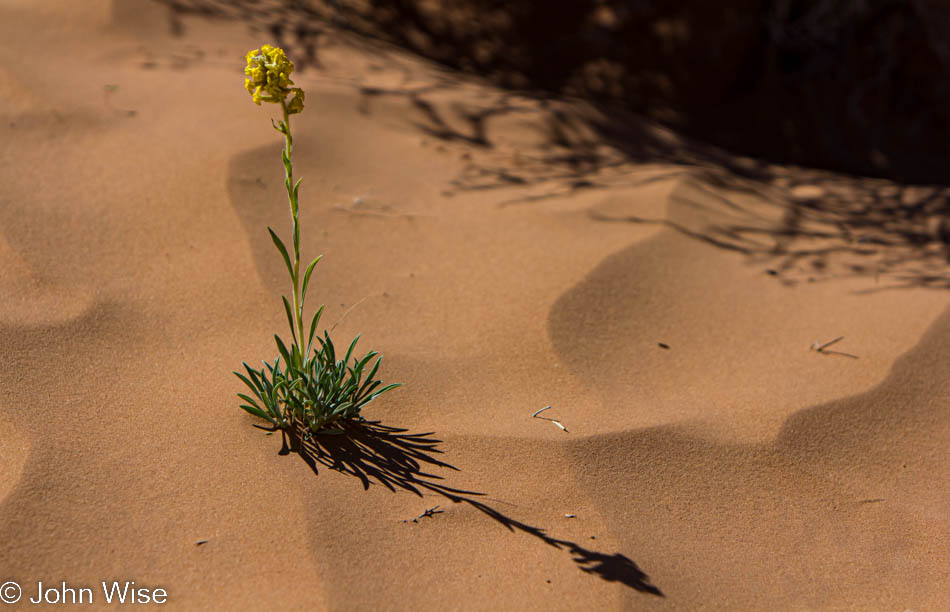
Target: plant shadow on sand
397 459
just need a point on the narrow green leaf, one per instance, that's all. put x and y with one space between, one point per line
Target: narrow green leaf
369 377
342 408
283 251
349 351
248 383
255 376
283 349
297 189
306 277
261 379
320 353
290 318
358 368
248 399
380 392
258 413
295 354
328 347
368 388
296 229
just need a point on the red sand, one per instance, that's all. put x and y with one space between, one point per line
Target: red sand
736 469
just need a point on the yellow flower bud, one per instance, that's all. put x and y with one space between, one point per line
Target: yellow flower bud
296 103
268 73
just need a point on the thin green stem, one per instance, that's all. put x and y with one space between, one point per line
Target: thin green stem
294 215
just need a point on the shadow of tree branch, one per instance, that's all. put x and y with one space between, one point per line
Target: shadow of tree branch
820 225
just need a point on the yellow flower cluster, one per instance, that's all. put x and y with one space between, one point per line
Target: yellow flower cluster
268 78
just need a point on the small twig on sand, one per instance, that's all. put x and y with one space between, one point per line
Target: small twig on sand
827 344
337 322
555 421
429 512
822 348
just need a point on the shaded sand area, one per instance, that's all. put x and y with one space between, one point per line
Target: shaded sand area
502 258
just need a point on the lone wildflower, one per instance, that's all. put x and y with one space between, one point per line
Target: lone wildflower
268 73
310 391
